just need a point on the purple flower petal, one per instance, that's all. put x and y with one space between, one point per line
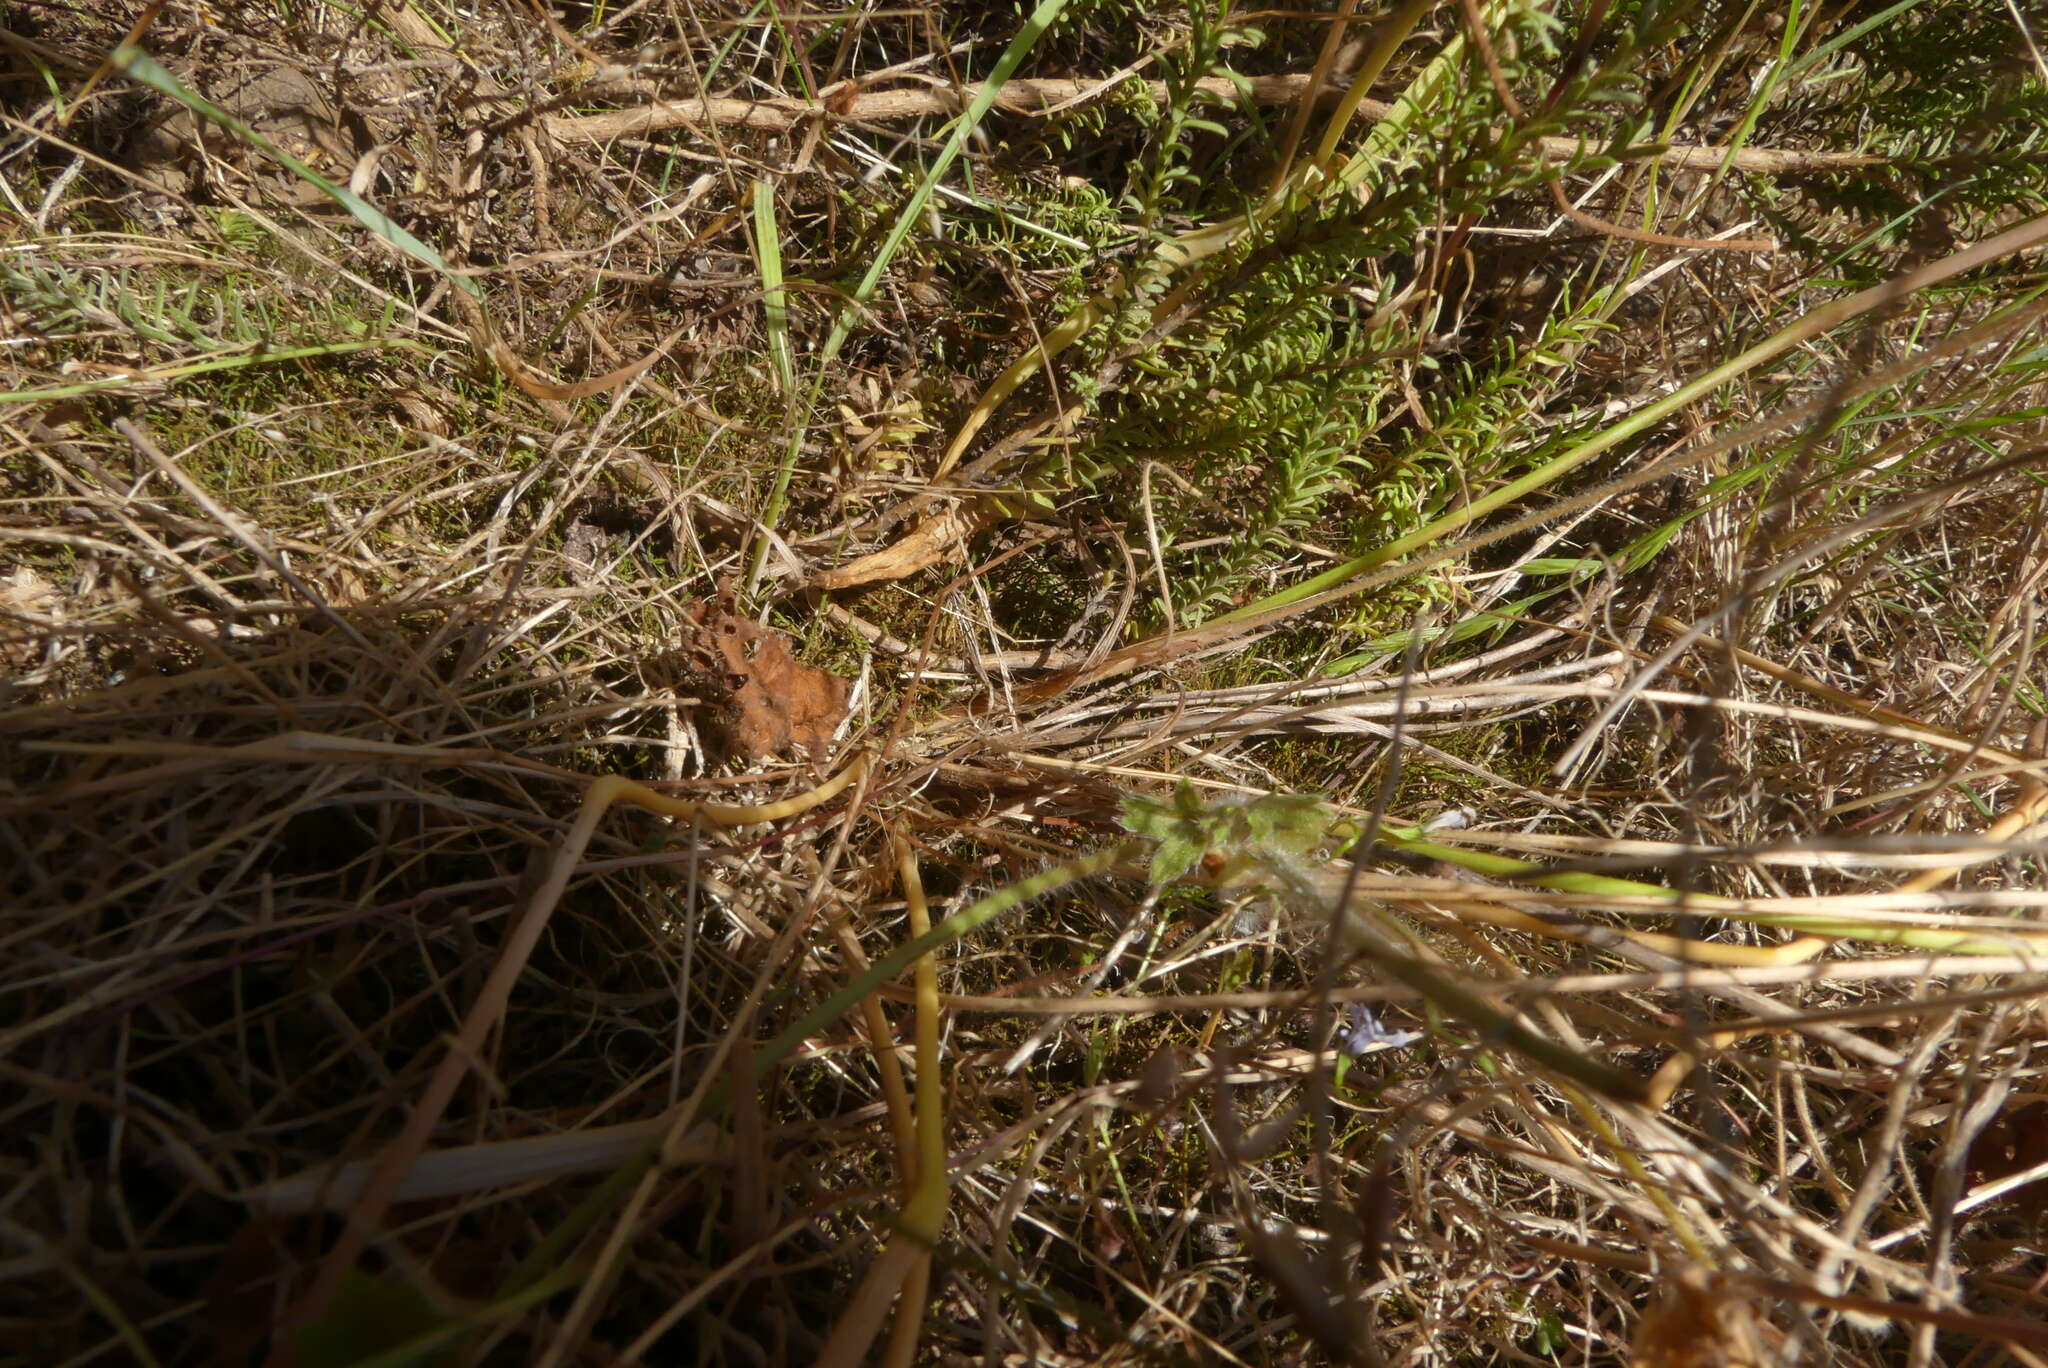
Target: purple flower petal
1362 1031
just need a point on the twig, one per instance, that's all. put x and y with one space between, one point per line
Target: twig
1043 95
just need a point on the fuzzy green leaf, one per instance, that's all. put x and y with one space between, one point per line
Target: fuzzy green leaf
1175 856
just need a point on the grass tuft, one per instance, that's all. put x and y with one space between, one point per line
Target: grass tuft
1447 752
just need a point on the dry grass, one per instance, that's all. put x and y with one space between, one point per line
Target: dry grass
329 593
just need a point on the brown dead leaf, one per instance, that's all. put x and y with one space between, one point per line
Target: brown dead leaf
767 701
1702 1321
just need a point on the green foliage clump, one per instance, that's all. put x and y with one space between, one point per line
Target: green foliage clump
1276 831
170 312
1947 94
1267 377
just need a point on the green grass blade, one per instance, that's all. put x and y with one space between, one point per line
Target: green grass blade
774 299
140 66
1042 18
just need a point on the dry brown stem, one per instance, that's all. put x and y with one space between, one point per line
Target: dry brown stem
1046 95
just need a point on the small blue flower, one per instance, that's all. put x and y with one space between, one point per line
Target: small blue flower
1362 1032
